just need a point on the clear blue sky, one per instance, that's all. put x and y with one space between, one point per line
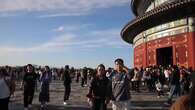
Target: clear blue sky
58 32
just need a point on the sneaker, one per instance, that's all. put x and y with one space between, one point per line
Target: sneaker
65 103
25 108
167 104
30 106
42 106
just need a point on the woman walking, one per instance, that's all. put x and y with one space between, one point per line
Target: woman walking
45 80
29 82
6 89
98 95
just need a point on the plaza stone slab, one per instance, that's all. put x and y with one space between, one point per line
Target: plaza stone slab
78 101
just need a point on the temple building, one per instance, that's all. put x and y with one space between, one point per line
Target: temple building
162 33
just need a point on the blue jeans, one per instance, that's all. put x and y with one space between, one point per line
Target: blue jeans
175 89
121 105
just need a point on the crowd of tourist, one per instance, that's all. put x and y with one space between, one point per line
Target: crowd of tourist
177 80
105 85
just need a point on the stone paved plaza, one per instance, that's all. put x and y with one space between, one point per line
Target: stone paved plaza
140 101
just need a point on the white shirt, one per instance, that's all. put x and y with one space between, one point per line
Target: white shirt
4 92
166 74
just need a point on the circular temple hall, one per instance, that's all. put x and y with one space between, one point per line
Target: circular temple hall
162 33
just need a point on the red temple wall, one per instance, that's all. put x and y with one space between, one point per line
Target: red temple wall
183 50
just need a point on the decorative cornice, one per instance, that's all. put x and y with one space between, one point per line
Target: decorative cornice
162 14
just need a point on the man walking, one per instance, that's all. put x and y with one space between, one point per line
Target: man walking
120 86
67 84
175 84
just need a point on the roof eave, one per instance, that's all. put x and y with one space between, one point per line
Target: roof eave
152 14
